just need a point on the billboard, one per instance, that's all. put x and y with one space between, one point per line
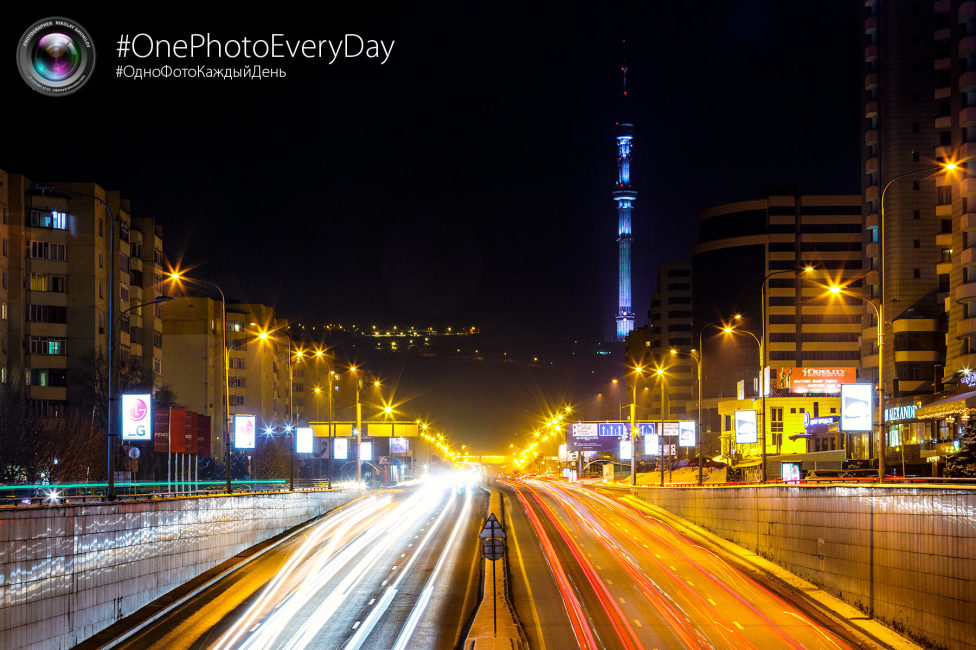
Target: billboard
625 449
303 440
177 431
814 380
652 444
203 435
399 446
137 417
244 431
190 433
745 427
686 433
856 401
161 431
341 449
365 451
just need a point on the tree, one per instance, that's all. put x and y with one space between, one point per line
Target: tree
962 464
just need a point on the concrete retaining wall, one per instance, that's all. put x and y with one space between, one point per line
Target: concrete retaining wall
67 572
906 556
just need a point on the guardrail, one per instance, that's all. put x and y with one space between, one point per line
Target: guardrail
55 494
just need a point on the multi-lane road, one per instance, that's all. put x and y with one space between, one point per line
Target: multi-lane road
594 571
400 569
396 569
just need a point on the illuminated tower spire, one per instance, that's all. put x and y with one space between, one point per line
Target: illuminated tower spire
624 197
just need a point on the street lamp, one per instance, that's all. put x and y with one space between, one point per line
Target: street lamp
177 276
695 355
949 166
660 433
762 388
638 371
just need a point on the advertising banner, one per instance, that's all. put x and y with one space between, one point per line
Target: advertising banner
625 449
244 431
161 431
815 380
686 433
177 431
303 440
341 449
365 451
137 417
190 432
652 445
856 407
399 446
203 435
746 429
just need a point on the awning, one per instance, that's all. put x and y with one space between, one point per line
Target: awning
953 405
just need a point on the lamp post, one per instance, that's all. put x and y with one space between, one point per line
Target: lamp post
638 371
660 433
359 426
696 357
731 330
177 276
701 361
950 166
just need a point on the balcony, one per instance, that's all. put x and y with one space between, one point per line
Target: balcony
967 116
942 6
967 151
967 10
967 80
943 210
944 240
967 45
870 24
942 64
943 152
943 122
967 185
966 327
968 222
870 52
871 165
869 360
871 192
871 221
916 356
967 257
943 268
871 136
915 325
966 292
871 249
870 109
869 333
871 80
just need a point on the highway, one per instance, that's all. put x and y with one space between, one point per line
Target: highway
592 571
396 569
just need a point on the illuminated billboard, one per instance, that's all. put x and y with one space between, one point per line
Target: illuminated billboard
365 451
341 450
814 380
303 440
652 444
137 417
399 446
856 412
244 431
746 428
625 448
686 433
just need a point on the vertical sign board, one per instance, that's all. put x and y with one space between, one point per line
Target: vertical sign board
203 435
191 432
856 407
625 449
686 433
303 440
161 431
746 429
341 451
244 431
365 451
137 417
177 431
652 444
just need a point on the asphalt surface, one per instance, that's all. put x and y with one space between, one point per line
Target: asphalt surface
397 569
593 571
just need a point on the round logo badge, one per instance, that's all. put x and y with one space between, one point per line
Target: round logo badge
137 410
55 56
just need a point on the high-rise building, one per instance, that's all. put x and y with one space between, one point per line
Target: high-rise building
624 197
59 287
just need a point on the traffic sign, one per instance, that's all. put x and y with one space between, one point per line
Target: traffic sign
492 549
492 529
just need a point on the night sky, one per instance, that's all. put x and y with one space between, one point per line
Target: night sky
467 180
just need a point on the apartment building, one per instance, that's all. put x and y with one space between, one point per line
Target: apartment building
58 284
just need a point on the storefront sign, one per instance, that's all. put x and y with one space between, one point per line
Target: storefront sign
906 412
818 421
814 380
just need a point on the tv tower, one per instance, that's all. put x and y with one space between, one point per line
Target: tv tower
624 197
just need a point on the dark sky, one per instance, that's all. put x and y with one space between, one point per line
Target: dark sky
467 180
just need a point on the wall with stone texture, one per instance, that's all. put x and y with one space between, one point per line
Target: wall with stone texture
67 572
906 555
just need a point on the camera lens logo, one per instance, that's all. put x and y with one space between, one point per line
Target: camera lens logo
56 56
